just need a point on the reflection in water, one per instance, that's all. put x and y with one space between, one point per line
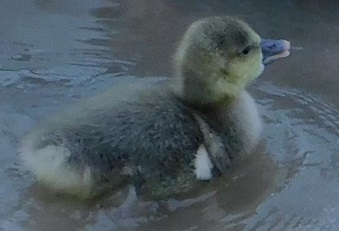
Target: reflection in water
53 52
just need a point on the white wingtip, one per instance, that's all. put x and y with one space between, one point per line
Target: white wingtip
203 164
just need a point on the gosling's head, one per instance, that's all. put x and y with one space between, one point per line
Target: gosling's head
216 59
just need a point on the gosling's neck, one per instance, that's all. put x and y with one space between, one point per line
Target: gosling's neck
195 94
205 84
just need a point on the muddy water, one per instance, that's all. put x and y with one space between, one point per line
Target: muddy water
52 53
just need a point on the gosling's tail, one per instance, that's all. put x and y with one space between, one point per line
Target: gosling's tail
50 163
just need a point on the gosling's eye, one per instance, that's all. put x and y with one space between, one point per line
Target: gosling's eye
246 51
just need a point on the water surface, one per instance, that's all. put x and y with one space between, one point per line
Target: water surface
55 52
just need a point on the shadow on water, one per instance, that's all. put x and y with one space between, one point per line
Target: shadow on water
55 52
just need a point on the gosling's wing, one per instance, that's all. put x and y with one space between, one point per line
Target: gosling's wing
217 145
154 130
158 143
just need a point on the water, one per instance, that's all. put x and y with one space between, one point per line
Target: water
55 52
